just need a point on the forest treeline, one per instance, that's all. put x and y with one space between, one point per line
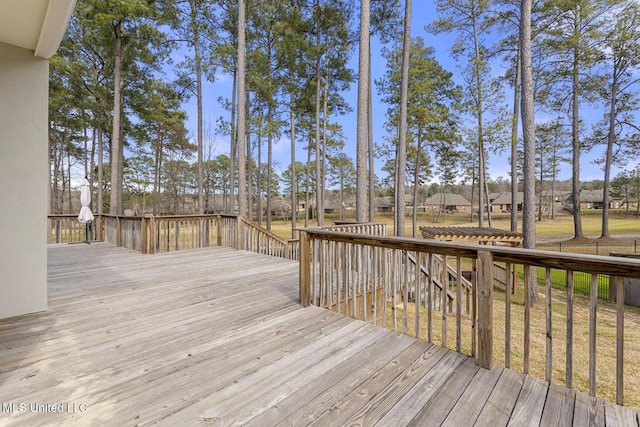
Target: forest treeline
125 69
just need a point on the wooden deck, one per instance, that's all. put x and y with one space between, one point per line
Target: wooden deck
217 337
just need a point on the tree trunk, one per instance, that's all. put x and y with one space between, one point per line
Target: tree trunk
401 159
479 126
70 206
269 163
362 113
611 136
307 188
575 142
249 157
528 136
259 183
230 204
323 164
100 172
514 146
240 142
319 195
198 63
294 184
416 181
117 149
372 192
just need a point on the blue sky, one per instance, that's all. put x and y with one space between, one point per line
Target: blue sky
423 13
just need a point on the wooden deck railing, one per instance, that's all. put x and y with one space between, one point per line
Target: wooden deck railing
371 277
67 229
154 234
375 228
259 240
450 274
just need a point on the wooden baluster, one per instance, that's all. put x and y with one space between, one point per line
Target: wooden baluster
168 235
618 282
474 307
143 235
337 267
374 284
549 318
569 342
430 297
315 297
417 292
219 231
383 285
527 318
405 293
394 283
362 281
507 316
177 234
458 304
593 307
118 232
444 303
345 278
354 280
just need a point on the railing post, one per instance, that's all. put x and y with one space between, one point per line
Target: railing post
305 269
99 224
238 242
118 232
177 233
152 235
484 284
219 230
143 236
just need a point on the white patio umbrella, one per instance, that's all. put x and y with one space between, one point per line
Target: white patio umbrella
85 215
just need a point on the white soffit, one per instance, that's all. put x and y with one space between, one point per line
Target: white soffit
36 25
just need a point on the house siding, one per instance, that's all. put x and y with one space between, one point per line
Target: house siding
23 181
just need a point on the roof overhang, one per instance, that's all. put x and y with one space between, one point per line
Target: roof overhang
36 25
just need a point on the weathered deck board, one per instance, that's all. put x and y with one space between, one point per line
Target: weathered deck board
216 336
559 407
588 411
467 409
530 403
497 410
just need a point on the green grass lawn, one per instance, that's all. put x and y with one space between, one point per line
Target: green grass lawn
559 228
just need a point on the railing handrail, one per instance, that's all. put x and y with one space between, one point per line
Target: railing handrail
593 264
266 232
188 216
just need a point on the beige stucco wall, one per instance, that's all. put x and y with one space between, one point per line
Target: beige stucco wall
23 181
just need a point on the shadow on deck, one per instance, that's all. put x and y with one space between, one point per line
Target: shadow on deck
216 336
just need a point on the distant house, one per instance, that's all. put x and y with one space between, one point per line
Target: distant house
447 202
334 205
589 199
501 202
593 199
280 206
552 199
383 205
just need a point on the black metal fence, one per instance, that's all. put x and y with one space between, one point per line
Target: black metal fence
595 247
